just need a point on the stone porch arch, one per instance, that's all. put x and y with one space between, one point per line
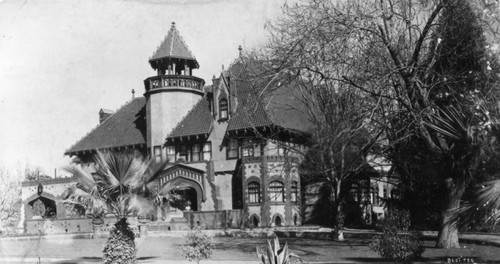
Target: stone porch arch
183 176
28 211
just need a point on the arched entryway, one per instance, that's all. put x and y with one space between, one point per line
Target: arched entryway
186 199
186 192
43 207
187 184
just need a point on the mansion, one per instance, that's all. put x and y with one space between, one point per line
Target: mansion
233 153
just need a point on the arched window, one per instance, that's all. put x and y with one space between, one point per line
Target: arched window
277 220
254 192
254 221
223 109
276 192
295 191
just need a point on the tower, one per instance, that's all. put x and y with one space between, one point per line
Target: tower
173 91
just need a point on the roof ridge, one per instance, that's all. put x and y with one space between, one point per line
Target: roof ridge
183 42
173 32
102 123
173 29
157 47
185 116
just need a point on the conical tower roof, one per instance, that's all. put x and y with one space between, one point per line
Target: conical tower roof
173 47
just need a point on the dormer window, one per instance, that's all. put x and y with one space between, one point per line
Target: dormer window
223 109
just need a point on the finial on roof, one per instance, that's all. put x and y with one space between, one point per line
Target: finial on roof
222 66
240 49
173 24
133 93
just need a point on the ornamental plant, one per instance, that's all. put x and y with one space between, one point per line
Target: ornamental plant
396 241
123 184
199 245
120 247
276 255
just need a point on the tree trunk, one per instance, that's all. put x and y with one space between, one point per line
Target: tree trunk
448 233
339 221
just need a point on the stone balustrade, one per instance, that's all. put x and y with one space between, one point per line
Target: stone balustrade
173 81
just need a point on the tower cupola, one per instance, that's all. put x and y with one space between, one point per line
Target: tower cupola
174 90
173 55
172 60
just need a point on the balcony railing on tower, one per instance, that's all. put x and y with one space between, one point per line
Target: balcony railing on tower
177 81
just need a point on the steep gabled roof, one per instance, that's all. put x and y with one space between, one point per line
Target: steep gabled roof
264 102
249 117
173 46
198 121
126 127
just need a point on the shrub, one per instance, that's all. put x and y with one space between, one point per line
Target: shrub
199 245
120 247
396 241
276 255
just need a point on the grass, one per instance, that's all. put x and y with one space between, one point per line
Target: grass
231 248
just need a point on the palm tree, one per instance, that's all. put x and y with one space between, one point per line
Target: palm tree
123 184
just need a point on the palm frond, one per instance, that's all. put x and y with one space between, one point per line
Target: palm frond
486 205
447 122
85 179
122 183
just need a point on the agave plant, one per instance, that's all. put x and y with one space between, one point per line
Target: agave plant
123 184
276 255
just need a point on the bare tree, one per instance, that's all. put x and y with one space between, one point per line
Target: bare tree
10 200
394 53
337 117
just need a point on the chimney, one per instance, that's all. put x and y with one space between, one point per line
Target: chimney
104 114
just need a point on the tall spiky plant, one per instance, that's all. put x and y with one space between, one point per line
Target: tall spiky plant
123 184
276 254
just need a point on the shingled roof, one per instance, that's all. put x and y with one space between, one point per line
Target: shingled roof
259 107
198 121
126 127
173 46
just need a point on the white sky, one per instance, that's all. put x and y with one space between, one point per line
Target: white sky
61 61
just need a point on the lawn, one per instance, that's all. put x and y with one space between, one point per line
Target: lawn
230 248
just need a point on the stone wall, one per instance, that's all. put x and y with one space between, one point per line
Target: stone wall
58 226
214 219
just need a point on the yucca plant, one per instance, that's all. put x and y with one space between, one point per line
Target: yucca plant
485 205
276 254
123 184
